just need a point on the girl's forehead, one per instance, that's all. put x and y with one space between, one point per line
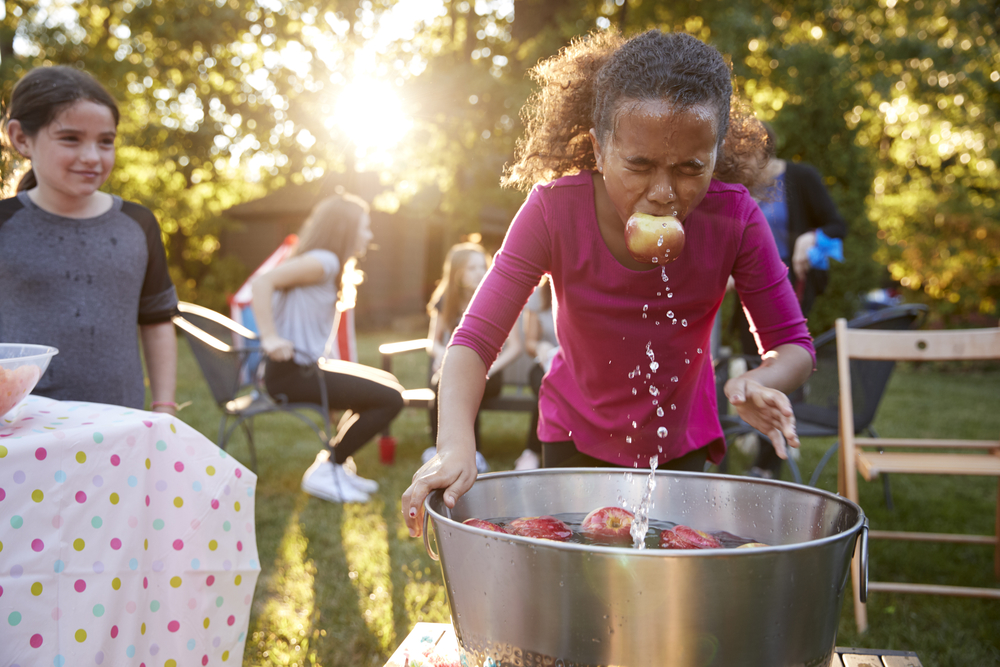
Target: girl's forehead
86 113
653 118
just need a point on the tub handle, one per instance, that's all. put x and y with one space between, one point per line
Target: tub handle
863 548
427 541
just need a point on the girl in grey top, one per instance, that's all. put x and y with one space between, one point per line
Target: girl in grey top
295 305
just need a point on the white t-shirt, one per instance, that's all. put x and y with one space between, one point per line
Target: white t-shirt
306 315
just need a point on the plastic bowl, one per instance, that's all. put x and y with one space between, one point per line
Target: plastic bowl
21 367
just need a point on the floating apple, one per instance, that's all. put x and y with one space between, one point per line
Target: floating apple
654 239
608 524
540 527
485 525
752 545
683 537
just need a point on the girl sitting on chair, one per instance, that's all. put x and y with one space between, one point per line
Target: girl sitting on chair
295 305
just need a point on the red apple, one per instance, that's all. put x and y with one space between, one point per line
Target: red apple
485 525
540 527
653 239
608 524
683 537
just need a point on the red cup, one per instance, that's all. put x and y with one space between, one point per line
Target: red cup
387 449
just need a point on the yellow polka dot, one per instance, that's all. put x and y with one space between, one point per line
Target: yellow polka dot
145 544
237 505
210 470
170 663
178 502
239 578
3 451
142 629
81 457
79 544
213 545
81 635
173 429
147 464
37 495
225 656
206 622
175 581
114 498
1 546
116 583
36 588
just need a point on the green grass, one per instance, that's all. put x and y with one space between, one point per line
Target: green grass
342 585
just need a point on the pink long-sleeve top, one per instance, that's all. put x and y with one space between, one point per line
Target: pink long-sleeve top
633 377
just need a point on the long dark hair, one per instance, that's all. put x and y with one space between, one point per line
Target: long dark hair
582 87
44 93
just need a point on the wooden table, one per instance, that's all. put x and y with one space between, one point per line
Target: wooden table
435 644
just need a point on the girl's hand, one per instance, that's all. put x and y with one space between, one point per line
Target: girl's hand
277 348
767 410
800 255
448 470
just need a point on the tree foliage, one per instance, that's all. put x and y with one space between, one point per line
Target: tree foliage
894 102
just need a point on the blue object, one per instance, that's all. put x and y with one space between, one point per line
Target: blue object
826 248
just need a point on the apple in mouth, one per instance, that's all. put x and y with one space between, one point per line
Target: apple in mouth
683 537
540 527
652 239
485 525
608 524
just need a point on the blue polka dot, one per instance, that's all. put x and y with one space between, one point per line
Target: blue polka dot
196 486
133 564
60 476
59 661
59 566
16 521
132 481
195 564
191 644
242 635
249 492
154 605
96 522
226 526
253 564
130 651
98 610
160 445
158 524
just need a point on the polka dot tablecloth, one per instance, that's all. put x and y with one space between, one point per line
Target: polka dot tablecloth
126 538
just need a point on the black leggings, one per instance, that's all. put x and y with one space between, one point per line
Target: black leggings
494 385
371 398
566 455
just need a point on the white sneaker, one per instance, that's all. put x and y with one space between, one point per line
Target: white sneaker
481 464
329 481
528 460
369 486
428 454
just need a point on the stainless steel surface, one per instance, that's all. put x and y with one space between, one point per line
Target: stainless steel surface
528 602
863 548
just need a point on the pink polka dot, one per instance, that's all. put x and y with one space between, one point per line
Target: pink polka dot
35 641
1 591
115 460
130 441
231 620
239 473
248 599
40 453
239 545
215 504
210 580
178 545
57 522
145 582
37 545
174 626
204 660
80 585
3 494
81 497
147 501
116 544
195 524
114 631
133 522
130 607
179 467
192 603
56 614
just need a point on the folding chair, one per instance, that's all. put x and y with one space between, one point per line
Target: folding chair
231 373
868 455
816 405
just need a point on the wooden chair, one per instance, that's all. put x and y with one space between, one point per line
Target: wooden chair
872 456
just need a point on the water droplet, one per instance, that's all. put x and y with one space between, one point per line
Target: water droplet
661 432
645 307
687 361
674 321
699 350
684 323
670 313
653 390
628 438
659 242
670 296
663 274
644 316
673 407
675 379
653 366
657 322
656 260
633 391
659 412
634 425
655 402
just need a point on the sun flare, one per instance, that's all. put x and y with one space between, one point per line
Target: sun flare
371 115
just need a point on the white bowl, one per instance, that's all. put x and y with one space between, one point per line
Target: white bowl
21 367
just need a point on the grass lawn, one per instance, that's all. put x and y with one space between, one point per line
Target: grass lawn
343 584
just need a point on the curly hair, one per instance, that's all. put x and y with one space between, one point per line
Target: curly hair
583 86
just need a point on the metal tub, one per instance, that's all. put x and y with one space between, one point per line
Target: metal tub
525 602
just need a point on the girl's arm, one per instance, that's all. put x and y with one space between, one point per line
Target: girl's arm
295 272
511 350
453 468
159 349
759 395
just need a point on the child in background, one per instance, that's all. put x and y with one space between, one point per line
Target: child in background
295 305
464 268
541 343
80 268
622 127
